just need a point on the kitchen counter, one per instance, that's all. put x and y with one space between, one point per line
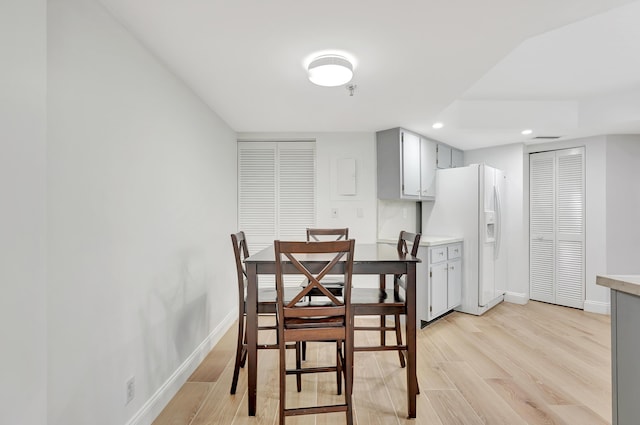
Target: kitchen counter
429 240
625 346
629 284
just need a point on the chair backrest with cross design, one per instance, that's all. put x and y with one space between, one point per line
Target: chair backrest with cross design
320 234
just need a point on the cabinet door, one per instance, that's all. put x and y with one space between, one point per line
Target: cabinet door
454 284
410 165
457 158
428 156
438 286
444 156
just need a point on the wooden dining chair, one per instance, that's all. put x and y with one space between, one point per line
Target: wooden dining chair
385 302
327 321
266 306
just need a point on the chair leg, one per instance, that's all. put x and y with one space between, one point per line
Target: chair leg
304 351
298 366
339 366
243 360
383 333
383 319
399 339
241 353
348 379
283 382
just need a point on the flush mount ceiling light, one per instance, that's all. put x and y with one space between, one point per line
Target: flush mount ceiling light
527 132
330 70
437 125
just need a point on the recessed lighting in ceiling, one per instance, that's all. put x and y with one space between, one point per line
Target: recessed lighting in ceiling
437 125
330 70
527 132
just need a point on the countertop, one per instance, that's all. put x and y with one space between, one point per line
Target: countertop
623 283
428 240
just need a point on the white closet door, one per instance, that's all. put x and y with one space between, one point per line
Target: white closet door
276 194
542 226
257 197
570 228
297 190
556 227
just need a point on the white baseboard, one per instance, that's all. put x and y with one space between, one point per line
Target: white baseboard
597 307
516 298
152 408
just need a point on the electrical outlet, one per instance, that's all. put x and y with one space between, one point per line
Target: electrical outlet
131 389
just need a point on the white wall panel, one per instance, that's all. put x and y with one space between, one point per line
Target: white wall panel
23 375
141 185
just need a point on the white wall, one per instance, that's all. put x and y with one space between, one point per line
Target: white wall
509 158
22 212
596 297
142 199
623 204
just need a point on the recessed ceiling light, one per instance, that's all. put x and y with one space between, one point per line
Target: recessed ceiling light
527 132
437 125
330 70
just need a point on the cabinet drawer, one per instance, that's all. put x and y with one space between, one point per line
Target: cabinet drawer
438 254
454 251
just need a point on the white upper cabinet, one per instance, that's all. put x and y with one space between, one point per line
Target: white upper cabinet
407 164
410 144
428 167
457 158
444 156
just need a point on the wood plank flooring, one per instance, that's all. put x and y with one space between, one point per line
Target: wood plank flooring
532 364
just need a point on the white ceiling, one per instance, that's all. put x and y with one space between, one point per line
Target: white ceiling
486 69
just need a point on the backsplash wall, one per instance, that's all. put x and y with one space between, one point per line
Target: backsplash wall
394 216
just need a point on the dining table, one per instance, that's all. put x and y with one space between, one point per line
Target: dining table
368 259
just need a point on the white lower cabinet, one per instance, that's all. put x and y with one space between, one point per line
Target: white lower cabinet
454 284
444 280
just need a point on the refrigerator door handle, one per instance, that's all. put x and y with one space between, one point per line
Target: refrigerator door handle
496 251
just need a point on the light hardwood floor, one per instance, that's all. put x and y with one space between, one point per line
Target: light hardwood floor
531 364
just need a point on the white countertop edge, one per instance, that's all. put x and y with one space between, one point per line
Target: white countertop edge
426 240
623 283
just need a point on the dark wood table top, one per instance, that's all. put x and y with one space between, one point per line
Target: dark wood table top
363 253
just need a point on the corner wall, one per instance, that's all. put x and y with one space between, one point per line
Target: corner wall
142 199
23 378
623 204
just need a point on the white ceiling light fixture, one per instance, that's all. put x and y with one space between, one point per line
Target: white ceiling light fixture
527 132
437 125
330 70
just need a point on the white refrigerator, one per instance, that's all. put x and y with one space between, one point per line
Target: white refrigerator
469 204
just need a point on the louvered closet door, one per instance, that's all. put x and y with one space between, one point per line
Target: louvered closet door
257 196
557 227
297 185
276 193
570 227
542 227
